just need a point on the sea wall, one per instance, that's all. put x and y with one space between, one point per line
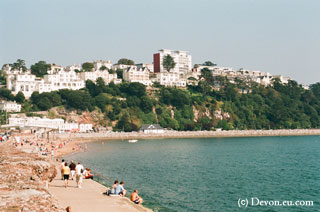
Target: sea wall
188 134
23 181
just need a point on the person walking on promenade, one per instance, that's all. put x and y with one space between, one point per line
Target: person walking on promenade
66 174
135 197
79 171
72 169
120 190
61 168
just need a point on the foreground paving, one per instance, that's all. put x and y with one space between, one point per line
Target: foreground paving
90 198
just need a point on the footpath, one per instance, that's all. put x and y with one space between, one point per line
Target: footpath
90 197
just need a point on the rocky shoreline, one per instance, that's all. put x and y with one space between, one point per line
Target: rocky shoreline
23 182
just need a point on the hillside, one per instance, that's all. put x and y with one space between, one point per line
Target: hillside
240 105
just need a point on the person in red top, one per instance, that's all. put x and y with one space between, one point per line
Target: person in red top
87 174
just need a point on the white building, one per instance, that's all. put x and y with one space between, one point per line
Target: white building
145 65
94 75
61 80
182 59
35 122
58 124
55 69
282 78
68 127
152 128
85 127
10 106
170 79
121 66
99 63
26 83
73 67
134 74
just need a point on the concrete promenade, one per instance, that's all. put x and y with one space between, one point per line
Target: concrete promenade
90 198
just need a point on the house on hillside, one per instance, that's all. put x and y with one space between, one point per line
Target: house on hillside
152 128
10 106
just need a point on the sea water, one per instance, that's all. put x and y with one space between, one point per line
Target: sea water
213 174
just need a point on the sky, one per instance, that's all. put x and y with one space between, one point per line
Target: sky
275 36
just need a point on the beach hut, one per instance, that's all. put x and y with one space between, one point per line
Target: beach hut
152 128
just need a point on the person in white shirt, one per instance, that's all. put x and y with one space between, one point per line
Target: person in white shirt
79 173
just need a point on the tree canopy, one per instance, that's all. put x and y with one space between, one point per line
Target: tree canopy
19 65
125 61
168 63
87 66
209 63
40 68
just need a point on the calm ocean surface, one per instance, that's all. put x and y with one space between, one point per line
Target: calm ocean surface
211 174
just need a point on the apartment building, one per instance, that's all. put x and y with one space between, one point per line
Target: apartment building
170 79
135 74
182 59
61 80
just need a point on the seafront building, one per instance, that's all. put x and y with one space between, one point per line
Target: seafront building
152 128
10 106
57 124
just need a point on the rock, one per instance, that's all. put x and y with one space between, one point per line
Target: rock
22 181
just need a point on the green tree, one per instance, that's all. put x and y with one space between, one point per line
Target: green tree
87 66
102 68
168 63
146 104
124 124
19 65
6 94
209 63
20 97
111 71
40 68
125 61
119 73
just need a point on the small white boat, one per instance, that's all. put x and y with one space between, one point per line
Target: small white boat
132 141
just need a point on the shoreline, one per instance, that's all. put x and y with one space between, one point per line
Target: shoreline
80 138
73 143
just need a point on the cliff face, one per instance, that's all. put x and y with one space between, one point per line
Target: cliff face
23 178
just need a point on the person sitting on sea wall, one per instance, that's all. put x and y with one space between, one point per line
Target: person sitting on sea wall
120 190
88 174
135 197
112 191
